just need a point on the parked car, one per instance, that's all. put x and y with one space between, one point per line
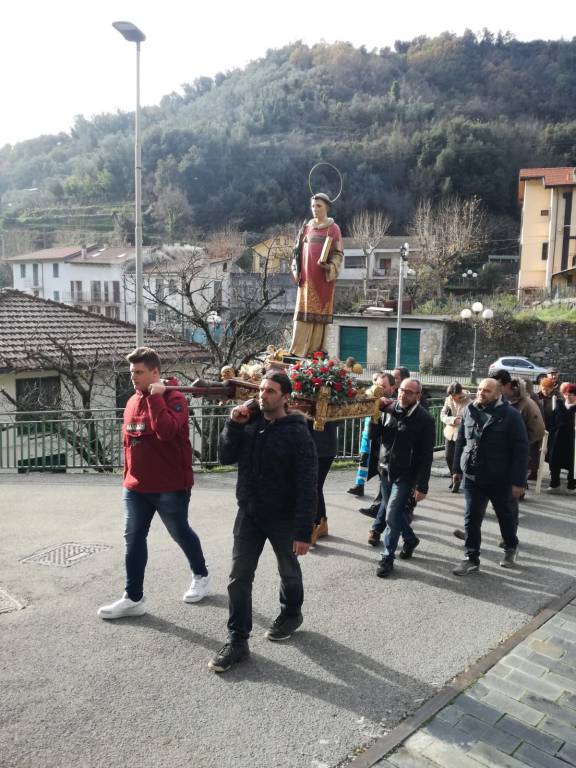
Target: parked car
519 366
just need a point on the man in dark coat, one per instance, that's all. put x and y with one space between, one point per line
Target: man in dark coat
277 500
491 453
407 436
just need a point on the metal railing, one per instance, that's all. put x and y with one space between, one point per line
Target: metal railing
65 441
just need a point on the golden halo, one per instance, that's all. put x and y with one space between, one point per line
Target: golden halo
330 166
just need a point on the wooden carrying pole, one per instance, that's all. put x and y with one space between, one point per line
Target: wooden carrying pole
543 449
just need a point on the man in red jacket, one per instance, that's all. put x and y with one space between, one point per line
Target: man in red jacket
157 478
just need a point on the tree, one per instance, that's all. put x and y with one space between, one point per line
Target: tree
445 233
369 229
199 295
174 212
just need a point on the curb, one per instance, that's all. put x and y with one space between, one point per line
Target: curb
386 744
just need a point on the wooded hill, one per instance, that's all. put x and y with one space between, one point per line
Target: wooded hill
432 117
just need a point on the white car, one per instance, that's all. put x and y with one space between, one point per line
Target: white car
519 366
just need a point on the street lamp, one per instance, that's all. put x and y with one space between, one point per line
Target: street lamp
131 33
402 268
474 314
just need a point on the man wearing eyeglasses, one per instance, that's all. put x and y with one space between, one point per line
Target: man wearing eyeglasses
407 435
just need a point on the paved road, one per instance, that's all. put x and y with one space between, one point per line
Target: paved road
77 691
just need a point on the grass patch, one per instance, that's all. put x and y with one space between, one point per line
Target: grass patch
557 314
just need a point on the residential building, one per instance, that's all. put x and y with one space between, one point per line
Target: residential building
275 253
548 230
371 339
44 343
92 278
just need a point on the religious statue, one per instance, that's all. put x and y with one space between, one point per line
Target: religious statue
316 264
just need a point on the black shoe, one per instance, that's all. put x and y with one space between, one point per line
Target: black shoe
408 549
466 567
385 567
284 627
356 490
368 511
509 559
458 534
229 654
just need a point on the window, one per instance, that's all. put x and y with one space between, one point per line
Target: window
116 291
22 270
545 212
96 291
76 291
160 289
225 267
384 263
38 394
218 292
172 286
55 270
353 262
35 274
544 252
112 312
106 293
124 389
151 315
56 295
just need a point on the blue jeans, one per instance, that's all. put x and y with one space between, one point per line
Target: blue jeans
139 509
505 507
392 513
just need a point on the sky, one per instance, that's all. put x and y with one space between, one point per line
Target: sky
63 58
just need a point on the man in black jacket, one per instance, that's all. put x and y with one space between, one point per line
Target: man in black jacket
492 453
277 499
407 434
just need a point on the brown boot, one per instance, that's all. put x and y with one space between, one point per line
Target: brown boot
374 537
322 528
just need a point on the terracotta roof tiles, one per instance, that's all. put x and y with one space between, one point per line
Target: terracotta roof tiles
29 323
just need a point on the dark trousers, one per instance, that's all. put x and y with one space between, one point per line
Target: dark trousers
450 446
506 509
324 464
555 470
250 535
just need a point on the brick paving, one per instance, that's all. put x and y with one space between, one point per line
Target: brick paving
522 712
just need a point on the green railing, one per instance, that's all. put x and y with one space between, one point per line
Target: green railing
57 441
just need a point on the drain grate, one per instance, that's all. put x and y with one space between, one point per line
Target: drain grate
64 555
8 603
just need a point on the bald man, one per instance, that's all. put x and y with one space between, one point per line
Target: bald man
491 454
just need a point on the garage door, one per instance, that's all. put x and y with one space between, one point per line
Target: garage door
409 348
354 343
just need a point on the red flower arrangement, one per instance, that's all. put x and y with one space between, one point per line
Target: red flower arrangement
308 376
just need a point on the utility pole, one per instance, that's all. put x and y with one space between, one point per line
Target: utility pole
402 264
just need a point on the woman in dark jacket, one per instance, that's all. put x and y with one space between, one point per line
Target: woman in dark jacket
561 449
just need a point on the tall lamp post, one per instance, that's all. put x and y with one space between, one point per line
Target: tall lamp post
474 314
470 277
131 33
402 266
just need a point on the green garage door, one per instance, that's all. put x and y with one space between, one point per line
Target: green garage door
409 348
354 343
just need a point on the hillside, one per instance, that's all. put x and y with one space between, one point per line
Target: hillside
433 116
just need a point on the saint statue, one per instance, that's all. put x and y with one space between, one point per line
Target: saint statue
316 265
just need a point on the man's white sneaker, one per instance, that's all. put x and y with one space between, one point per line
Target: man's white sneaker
200 588
121 608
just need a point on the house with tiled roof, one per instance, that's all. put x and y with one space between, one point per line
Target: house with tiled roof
45 344
93 277
548 231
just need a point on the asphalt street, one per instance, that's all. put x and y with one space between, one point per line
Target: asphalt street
78 691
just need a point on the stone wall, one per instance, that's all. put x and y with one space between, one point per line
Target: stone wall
544 343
